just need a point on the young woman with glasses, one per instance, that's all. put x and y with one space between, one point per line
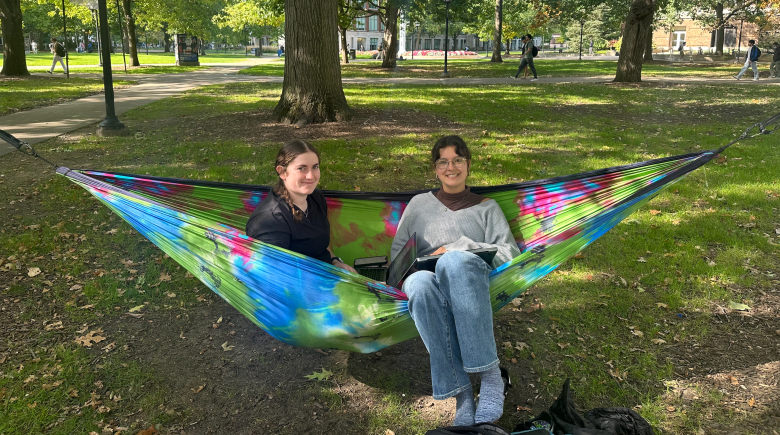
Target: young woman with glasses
294 215
451 307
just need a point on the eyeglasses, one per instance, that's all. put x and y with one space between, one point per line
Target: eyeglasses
458 162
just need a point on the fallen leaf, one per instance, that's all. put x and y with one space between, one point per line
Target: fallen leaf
113 231
150 431
73 393
164 277
579 255
658 341
661 305
109 347
89 339
737 306
520 345
52 326
76 287
198 390
51 386
181 335
389 432
752 402
33 271
655 212
226 347
641 260
638 333
564 345
137 308
734 380
325 374
670 408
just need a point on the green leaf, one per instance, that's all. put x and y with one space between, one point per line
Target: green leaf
324 375
737 306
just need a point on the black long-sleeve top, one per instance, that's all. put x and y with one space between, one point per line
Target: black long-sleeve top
272 222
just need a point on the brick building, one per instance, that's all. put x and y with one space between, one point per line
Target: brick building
697 37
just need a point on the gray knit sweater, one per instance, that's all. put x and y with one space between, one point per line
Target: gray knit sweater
479 226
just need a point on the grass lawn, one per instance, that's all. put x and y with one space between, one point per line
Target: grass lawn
44 58
640 319
24 93
544 68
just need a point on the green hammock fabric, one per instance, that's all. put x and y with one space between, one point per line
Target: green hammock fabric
305 302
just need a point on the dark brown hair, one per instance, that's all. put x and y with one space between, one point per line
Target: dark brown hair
284 157
451 141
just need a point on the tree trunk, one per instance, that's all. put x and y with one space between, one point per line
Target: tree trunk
166 39
419 36
390 38
14 60
312 91
508 42
344 49
640 18
497 32
132 38
720 31
649 45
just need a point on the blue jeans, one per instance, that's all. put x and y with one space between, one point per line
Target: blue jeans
748 64
452 311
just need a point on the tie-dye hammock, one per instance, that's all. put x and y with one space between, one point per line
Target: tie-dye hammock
305 302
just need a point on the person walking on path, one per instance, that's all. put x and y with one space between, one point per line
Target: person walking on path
774 67
590 48
34 47
751 57
59 52
681 49
528 57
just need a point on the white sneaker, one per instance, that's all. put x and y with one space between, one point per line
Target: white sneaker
534 79
755 79
513 77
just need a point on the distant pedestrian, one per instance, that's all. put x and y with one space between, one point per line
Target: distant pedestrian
34 47
590 49
59 52
89 47
681 49
774 67
528 57
751 57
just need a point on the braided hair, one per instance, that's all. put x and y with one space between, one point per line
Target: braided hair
284 157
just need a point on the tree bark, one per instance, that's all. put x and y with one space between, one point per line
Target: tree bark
166 39
640 18
312 91
14 60
390 38
132 38
344 49
497 32
720 31
507 53
649 44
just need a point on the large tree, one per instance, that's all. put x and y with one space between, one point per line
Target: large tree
312 91
635 32
14 60
130 31
498 27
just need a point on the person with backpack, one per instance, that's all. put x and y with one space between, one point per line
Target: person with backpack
751 57
529 51
775 65
59 52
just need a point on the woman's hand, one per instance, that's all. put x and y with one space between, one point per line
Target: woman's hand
439 251
344 266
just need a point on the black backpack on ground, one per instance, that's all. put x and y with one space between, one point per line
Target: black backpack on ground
59 50
564 419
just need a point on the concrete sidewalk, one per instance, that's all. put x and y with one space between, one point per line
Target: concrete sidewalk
41 124
37 125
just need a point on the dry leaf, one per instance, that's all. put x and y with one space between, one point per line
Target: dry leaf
52 326
641 260
579 255
76 287
734 380
73 393
198 390
33 271
165 277
51 386
150 431
225 346
661 305
638 333
113 231
389 432
658 341
655 212
91 338
136 308
752 402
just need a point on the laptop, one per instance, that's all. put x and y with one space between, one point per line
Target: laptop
400 267
429 262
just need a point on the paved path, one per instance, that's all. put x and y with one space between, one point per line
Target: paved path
37 125
41 124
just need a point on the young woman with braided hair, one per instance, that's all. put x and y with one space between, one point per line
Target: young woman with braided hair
294 215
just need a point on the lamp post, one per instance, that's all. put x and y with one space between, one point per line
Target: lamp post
446 37
417 32
110 126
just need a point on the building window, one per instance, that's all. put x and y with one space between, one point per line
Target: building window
437 44
409 44
360 23
678 37
373 23
427 45
374 43
462 43
730 37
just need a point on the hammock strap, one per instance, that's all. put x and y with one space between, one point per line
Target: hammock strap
23 147
761 127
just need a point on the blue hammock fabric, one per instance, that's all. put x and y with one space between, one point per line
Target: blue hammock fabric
305 302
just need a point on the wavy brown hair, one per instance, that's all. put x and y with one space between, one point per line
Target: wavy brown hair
284 157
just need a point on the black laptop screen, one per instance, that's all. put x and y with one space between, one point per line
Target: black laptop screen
403 261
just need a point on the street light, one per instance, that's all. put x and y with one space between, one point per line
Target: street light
416 30
446 37
110 125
